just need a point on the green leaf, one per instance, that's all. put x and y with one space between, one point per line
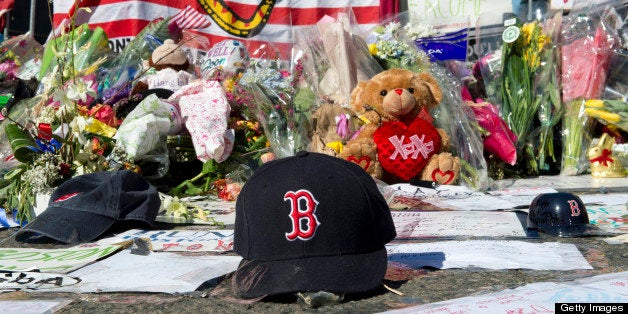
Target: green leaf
20 140
209 166
15 172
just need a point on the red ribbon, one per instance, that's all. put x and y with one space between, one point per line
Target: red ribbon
44 131
604 159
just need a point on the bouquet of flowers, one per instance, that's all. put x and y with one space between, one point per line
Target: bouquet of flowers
392 46
51 132
586 49
522 53
281 100
547 87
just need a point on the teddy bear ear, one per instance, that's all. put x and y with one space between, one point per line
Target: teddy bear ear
357 97
425 79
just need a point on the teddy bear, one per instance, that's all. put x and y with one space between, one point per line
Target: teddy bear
399 142
167 67
332 125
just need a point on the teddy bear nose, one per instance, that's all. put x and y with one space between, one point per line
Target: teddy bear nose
399 91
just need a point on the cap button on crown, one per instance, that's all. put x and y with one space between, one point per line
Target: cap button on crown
302 153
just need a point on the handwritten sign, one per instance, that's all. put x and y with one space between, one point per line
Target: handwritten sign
30 280
495 255
53 260
431 10
453 224
613 218
181 240
453 197
534 298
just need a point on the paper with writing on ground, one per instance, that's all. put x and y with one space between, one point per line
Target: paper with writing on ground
488 254
538 297
179 240
457 224
62 260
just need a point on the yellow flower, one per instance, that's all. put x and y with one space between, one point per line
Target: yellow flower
373 49
603 114
336 146
527 30
594 103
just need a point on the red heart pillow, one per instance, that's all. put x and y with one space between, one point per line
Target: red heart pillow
404 150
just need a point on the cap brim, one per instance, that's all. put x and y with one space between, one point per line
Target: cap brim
576 231
353 273
66 225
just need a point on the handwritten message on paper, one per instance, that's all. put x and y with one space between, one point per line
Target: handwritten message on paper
535 298
453 224
453 197
31 280
495 255
613 218
430 10
53 260
182 240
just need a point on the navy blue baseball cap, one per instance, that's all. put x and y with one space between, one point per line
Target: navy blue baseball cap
86 206
561 214
310 222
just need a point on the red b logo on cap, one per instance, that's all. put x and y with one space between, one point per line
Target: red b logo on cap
575 209
299 215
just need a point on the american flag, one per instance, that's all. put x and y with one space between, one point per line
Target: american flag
123 19
189 18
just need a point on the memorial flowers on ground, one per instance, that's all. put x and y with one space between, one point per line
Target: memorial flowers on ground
523 63
586 50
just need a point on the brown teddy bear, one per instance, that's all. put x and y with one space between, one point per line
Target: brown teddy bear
332 126
399 143
167 67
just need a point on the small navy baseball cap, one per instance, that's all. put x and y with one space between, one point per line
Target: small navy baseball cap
561 214
310 222
84 207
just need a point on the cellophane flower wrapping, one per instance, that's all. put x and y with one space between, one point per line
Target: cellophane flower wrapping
334 57
522 58
55 128
392 43
117 78
280 98
459 122
547 87
586 47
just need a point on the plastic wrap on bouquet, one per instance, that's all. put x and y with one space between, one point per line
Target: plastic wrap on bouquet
115 81
280 99
82 48
586 52
347 54
20 57
457 119
146 127
392 44
205 110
